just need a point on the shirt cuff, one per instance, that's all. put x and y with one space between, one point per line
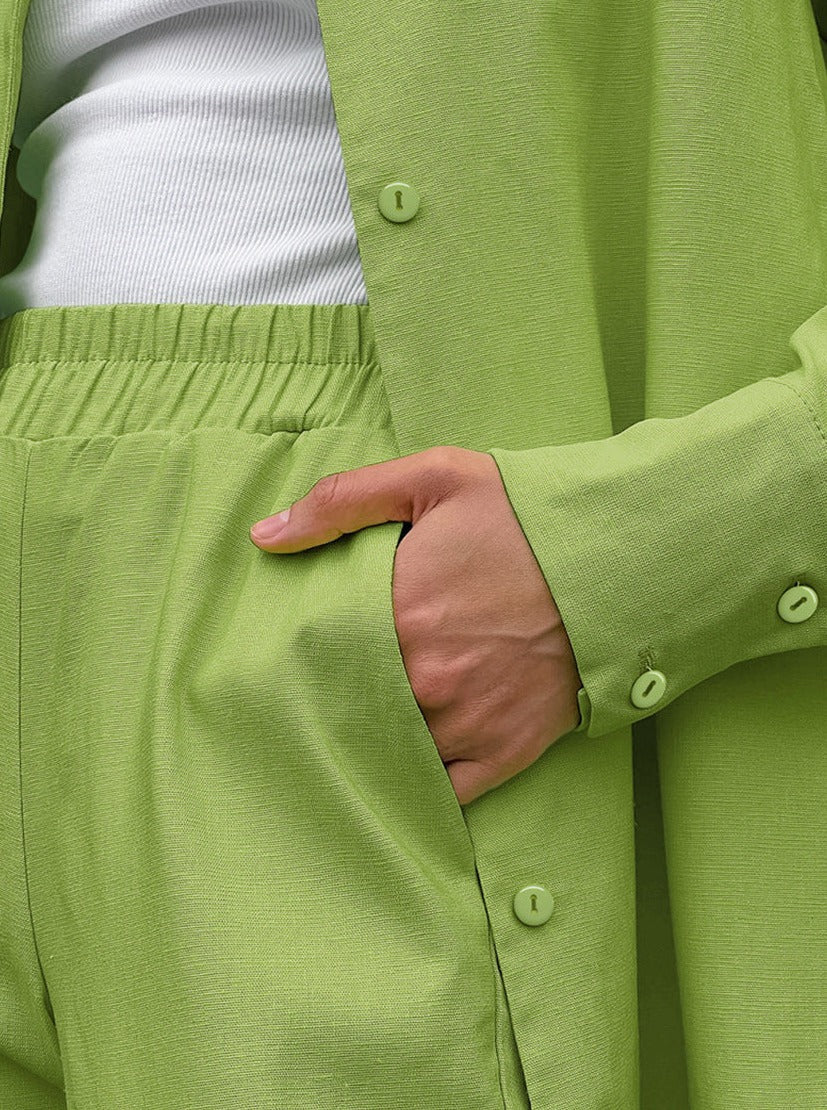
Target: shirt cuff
682 546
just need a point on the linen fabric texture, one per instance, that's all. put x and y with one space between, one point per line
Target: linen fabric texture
621 296
228 842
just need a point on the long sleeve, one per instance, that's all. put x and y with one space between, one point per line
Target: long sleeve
685 545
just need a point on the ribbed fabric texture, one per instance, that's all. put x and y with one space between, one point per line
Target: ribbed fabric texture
181 151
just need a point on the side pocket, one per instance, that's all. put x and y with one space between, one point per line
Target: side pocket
418 738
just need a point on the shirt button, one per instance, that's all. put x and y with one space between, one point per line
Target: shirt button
533 905
797 604
398 202
647 689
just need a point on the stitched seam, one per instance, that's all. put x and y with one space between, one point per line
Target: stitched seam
213 362
492 956
87 437
20 726
809 408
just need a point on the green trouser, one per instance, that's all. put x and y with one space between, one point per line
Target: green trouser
234 870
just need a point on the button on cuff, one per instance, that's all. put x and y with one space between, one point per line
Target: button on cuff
797 604
648 689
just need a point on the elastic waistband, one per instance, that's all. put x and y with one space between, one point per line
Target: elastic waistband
86 369
286 333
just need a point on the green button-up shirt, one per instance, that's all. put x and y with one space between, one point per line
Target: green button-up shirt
615 281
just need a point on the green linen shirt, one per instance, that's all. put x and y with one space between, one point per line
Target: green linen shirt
616 284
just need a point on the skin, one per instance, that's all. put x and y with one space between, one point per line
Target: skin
483 643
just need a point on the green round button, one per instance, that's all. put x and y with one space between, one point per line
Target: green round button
647 689
797 604
398 201
533 905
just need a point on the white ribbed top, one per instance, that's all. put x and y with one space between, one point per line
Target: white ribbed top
180 151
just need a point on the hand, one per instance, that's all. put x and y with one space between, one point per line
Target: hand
486 653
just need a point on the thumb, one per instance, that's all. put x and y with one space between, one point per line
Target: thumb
397 489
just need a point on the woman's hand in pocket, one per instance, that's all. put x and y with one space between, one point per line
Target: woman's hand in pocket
484 646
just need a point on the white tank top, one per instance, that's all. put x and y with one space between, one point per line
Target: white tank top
180 151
